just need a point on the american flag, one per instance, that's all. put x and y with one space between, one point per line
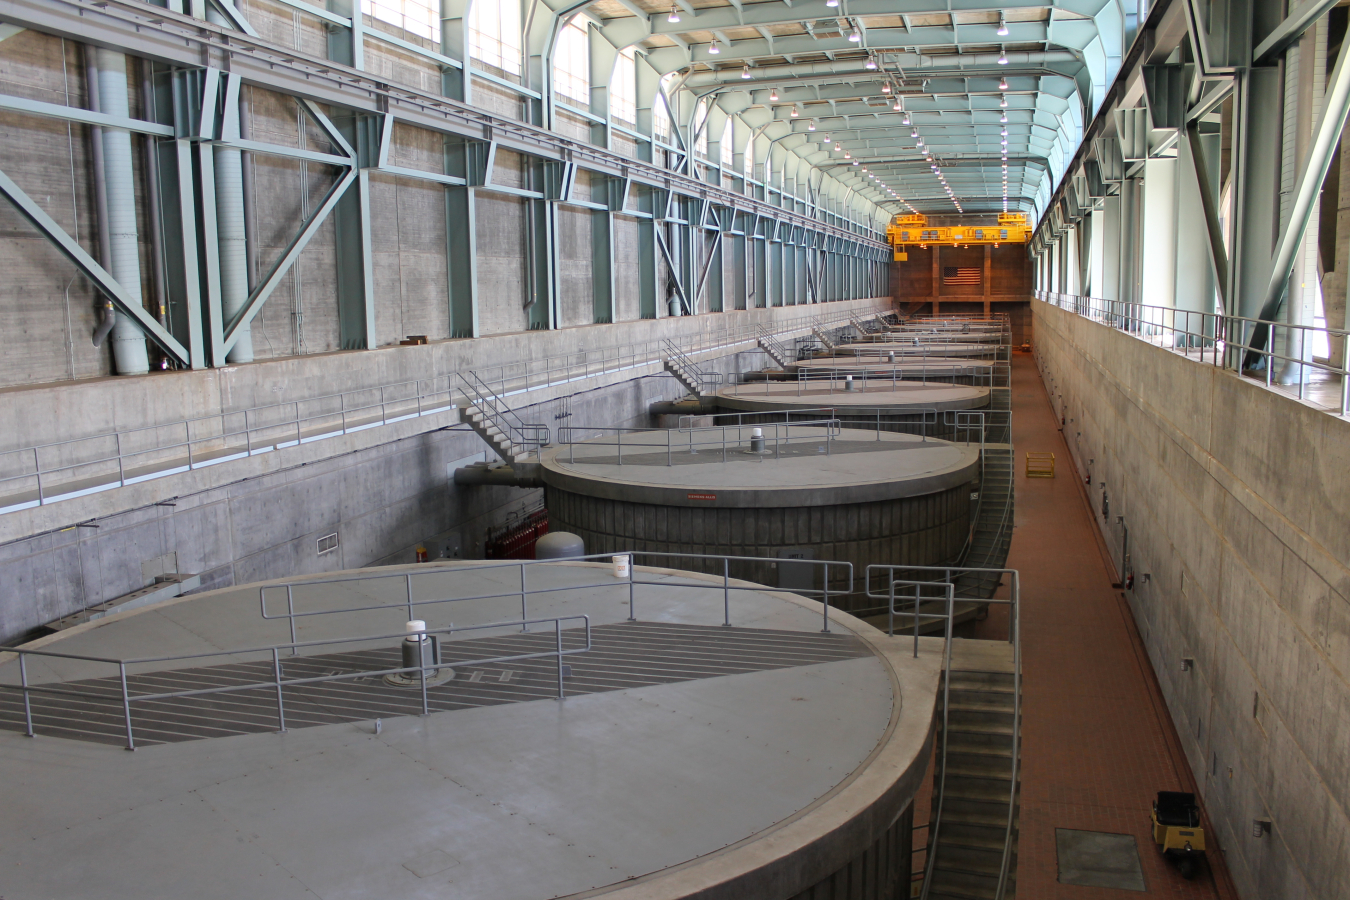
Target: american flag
961 274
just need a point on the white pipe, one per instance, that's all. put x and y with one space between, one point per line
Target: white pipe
231 230
232 237
128 341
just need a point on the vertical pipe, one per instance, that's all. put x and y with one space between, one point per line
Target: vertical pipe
153 199
250 214
232 230
129 351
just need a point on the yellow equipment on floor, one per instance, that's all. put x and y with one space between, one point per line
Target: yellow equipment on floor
1040 465
1176 829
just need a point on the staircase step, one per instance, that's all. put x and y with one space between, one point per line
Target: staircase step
960 884
964 812
982 837
975 860
968 700
984 789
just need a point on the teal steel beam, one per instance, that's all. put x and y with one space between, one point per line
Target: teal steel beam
96 274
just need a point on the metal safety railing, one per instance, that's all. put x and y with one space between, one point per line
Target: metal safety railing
690 439
279 681
524 591
530 436
77 467
702 381
942 590
836 571
1281 354
39 474
923 419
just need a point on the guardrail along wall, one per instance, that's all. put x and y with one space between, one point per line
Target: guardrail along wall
1227 503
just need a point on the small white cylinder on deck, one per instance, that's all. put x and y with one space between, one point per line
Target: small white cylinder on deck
622 565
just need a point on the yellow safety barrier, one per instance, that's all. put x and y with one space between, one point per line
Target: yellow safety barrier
1040 465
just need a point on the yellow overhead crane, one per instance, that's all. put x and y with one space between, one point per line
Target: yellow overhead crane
1012 228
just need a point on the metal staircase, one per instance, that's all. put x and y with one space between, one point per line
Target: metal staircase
775 349
976 799
991 534
823 337
687 372
488 415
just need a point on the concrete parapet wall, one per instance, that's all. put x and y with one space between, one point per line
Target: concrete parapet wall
1232 502
382 490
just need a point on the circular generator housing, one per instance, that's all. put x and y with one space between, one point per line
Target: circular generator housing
905 347
848 495
909 407
895 367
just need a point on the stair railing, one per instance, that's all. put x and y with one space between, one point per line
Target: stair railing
775 348
529 436
685 362
947 585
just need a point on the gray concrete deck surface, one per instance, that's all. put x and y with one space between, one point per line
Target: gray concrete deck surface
867 395
855 466
526 800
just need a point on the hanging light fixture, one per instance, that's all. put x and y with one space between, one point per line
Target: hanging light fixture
871 62
795 112
885 87
811 126
773 95
837 147
1002 25
831 3
1003 84
855 36
914 132
1003 117
847 155
674 14
1003 102
714 48
906 119
1002 57
825 140
898 106
745 71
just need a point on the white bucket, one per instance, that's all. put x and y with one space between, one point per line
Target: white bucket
623 566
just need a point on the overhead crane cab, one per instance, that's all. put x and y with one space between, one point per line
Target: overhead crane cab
914 229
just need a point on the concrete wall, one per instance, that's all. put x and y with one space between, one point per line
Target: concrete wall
1236 501
382 499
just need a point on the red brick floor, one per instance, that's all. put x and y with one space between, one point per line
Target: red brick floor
1097 743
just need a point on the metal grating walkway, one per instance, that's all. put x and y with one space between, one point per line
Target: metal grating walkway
624 655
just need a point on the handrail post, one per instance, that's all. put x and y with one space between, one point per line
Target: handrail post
23 680
825 600
126 704
632 564
726 592
557 631
890 609
524 625
290 615
276 672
